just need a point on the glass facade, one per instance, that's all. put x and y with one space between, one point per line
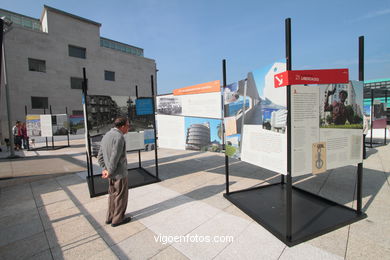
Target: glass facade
107 43
22 20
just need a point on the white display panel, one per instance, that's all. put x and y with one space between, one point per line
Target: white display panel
202 105
171 132
267 149
46 126
134 141
326 127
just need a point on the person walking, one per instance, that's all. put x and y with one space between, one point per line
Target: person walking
25 136
17 134
112 159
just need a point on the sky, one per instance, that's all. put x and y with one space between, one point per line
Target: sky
188 39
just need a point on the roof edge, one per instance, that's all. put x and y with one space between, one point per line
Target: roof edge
49 8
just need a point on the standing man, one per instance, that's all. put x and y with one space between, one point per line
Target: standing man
112 158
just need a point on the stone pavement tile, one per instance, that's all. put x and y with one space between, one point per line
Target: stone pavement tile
53 208
222 224
154 197
84 248
44 186
169 253
17 208
377 232
44 255
142 245
181 220
50 197
114 235
69 180
360 247
97 219
19 189
305 251
334 242
24 248
255 242
10 198
95 205
19 226
107 254
233 210
71 232
6 170
217 201
59 218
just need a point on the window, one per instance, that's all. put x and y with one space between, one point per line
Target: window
109 75
77 52
39 102
36 65
76 83
77 112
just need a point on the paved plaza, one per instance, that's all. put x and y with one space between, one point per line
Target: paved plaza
46 211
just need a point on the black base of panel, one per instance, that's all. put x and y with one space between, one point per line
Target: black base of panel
136 177
312 215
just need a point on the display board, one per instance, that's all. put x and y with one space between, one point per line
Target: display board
33 125
76 124
255 119
190 119
60 124
102 111
47 125
326 126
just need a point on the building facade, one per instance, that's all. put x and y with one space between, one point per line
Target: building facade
45 58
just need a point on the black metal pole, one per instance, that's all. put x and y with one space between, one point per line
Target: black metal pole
154 123
25 110
223 128
372 114
52 134
47 145
386 114
1 52
360 165
66 111
139 151
89 157
289 178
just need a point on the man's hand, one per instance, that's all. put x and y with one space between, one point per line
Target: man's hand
104 174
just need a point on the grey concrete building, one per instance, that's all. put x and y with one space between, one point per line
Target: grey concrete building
45 58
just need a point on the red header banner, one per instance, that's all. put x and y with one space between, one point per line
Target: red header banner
301 77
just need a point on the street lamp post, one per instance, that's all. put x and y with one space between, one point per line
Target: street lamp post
5 25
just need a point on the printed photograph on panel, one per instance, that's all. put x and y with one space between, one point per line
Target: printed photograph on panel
267 103
203 134
60 124
33 125
169 105
341 105
76 124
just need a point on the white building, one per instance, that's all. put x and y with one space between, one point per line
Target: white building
45 58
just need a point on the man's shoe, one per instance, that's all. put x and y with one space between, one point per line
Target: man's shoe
124 221
108 222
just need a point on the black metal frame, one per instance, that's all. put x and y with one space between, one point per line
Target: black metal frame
95 182
47 147
279 214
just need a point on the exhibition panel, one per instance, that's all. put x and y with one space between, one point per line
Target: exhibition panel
47 125
100 111
190 118
296 130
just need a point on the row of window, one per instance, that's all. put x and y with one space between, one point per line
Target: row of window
40 66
